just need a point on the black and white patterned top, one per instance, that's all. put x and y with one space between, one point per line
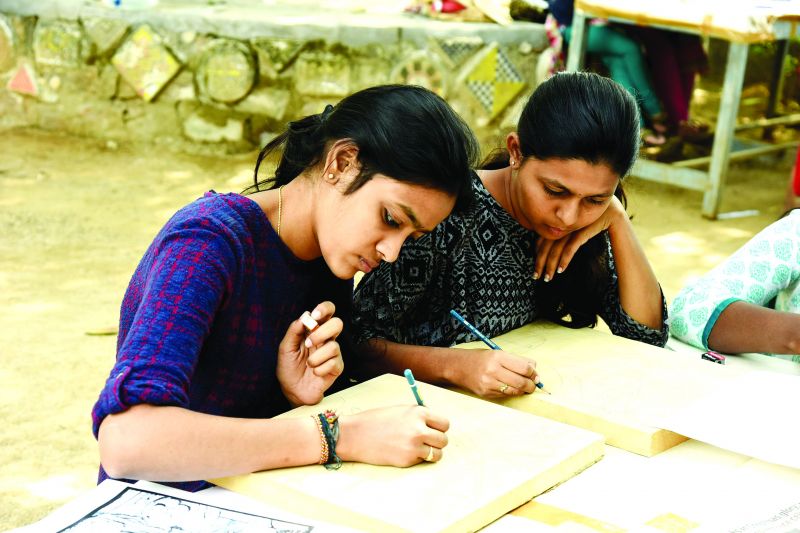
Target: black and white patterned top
481 264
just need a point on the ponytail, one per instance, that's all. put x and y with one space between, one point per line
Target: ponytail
303 143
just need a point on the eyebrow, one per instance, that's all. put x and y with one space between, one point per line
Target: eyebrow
557 183
413 218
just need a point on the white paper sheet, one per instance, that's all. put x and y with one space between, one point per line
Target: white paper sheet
114 506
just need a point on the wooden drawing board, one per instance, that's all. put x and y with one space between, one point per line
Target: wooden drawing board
646 399
496 460
746 414
598 382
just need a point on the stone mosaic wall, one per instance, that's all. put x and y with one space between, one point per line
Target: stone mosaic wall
143 78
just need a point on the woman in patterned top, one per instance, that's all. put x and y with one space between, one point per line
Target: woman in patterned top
547 237
211 345
750 302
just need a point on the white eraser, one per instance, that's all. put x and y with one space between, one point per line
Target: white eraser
308 322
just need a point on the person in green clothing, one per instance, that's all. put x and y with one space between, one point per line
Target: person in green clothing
750 302
625 62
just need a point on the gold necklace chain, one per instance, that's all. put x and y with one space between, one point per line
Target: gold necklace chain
280 208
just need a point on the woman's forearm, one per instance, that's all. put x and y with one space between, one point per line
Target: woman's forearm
165 443
744 327
639 292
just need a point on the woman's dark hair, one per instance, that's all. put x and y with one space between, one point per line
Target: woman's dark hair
583 116
402 131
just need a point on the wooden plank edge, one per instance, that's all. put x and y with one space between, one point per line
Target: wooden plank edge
524 493
637 438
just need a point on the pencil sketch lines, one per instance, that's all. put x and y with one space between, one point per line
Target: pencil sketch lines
143 511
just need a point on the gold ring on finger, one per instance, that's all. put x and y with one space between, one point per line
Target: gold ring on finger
429 457
503 388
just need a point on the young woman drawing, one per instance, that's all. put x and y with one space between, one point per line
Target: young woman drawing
547 237
211 344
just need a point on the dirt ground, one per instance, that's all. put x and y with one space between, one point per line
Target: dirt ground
76 216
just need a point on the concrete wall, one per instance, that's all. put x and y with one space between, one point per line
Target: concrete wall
225 78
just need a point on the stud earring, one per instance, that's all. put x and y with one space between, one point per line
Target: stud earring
330 176
512 162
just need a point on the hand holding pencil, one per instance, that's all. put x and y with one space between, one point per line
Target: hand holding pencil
400 435
494 373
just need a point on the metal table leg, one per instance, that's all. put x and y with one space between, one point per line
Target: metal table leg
776 84
577 43
723 134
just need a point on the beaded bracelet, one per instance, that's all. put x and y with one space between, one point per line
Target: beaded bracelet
329 422
323 455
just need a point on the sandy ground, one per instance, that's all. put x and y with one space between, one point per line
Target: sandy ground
76 216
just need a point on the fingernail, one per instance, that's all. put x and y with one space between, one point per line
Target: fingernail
316 314
559 270
546 278
308 343
535 275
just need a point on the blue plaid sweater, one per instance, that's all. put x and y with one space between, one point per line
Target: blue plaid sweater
205 311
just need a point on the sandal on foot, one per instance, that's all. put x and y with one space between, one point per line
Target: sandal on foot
658 123
692 129
653 138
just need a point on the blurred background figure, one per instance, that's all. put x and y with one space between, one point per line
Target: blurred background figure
675 59
792 199
623 58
